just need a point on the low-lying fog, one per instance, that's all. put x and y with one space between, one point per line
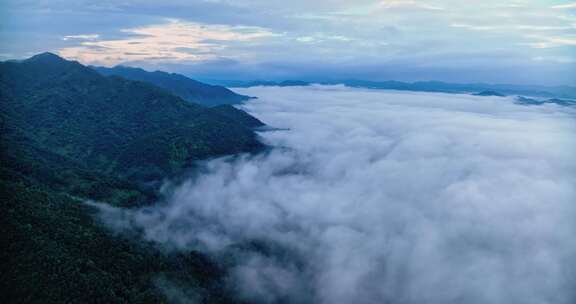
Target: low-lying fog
386 197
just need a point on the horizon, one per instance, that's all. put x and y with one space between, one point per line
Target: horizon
518 42
225 82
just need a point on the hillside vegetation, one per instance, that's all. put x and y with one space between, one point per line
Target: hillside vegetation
69 134
105 122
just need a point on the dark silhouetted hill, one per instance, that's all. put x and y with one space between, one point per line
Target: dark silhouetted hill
489 93
532 101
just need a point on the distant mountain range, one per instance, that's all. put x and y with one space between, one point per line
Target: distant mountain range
428 86
179 85
535 102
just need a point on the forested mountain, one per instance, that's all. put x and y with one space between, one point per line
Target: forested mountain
237 115
180 85
68 134
110 123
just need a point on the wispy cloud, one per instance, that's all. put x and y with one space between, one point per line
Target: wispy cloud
551 42
81 37
475 27
503 28
409 4
173 41
565 6
557 59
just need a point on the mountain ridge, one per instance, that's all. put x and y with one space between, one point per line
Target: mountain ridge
179 85
79 113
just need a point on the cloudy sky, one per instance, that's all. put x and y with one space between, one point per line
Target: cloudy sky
519 41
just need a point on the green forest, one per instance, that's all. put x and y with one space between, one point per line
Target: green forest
69 134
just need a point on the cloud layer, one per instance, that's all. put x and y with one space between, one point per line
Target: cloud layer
385 197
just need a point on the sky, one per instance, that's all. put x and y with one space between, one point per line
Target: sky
518 41
375 196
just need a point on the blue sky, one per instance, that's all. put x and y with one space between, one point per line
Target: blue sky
522 41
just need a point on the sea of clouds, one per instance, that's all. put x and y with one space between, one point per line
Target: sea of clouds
385 197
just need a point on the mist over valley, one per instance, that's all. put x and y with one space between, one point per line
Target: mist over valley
383 197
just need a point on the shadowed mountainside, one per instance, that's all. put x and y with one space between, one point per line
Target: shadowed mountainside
179 85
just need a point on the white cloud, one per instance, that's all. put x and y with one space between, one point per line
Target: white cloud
387 197
81 37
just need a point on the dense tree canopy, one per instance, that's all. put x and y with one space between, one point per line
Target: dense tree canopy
68 134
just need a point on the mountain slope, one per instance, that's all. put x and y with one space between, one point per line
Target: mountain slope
75 112
67 134
53 251
180 85
237 115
